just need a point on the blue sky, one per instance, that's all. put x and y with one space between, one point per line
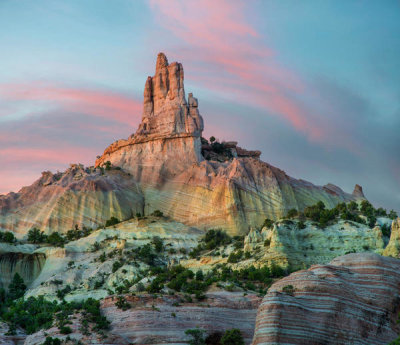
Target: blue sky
314 85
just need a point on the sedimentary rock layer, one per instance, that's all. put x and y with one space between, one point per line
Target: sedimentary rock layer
353 300
287 245
28 266
58 202
164 320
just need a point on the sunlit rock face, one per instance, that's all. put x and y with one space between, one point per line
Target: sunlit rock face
79 196
352 300
164 157
287 245
393 247
166 112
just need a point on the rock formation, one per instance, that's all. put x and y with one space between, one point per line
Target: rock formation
166 166
233 189
159 320
12 260
79 196
358 191
353 300
165 110
287 245
393 247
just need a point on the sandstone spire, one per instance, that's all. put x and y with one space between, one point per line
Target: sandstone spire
166 113
358 191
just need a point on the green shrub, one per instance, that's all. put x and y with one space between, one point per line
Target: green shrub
7 237
65 330
116 266
386 230
36 236
17 287
301 225
232 337
52 341
112 221
392 214
157 213
288 289
197 336
214 338
267 223
158 244
56 239
292 213
122 303
235 257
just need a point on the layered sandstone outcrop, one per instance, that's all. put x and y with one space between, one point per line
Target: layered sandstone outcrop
164 320
353 300
79 196
233 191
287 245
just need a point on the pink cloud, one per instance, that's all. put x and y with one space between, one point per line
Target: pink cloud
106 104
49 126
22 165
231 58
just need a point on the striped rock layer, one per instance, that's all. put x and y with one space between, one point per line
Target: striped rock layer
164 320
353 300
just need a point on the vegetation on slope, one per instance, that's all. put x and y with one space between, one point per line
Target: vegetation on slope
363 213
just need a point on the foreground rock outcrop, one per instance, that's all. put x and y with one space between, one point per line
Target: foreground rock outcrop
353 300
164 320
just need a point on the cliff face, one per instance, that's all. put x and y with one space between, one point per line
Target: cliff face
22 261
353 300
285 244
164 157
393 247
163 168
57 202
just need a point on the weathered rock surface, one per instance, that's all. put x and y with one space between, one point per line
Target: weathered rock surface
164 157
393 247
287 245
353 300
77 264
166 112
21 260
158 321
57 202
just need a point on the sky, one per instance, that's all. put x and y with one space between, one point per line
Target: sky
314 85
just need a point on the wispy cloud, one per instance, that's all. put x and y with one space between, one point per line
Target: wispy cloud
232 58
46 126
103 103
